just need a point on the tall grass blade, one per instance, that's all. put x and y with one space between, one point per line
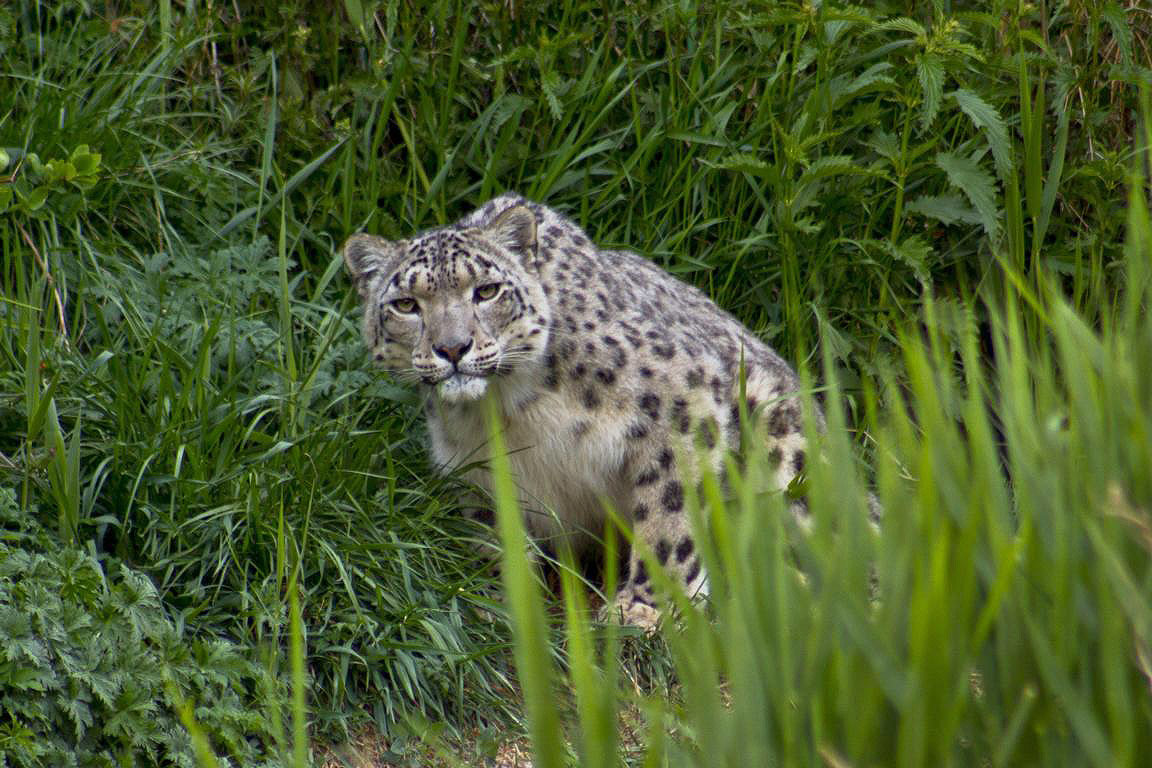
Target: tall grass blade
530 629
298 653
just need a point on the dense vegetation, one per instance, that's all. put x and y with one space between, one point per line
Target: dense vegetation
938 210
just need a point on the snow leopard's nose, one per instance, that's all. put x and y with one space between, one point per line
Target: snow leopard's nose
453 352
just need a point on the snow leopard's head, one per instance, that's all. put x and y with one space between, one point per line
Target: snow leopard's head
453 307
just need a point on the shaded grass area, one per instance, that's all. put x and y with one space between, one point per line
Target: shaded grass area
183 394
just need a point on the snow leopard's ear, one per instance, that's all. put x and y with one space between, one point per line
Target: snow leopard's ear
515 229
367 256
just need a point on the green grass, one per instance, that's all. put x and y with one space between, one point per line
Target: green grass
935 209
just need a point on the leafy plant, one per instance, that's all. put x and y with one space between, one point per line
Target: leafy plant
32 182
85 658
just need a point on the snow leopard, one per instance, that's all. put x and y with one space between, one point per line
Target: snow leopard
611 379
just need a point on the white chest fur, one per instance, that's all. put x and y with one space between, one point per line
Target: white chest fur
565 465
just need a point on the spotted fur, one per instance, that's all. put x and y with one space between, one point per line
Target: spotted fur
608 372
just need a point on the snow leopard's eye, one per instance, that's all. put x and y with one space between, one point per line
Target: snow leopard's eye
405 306
487 291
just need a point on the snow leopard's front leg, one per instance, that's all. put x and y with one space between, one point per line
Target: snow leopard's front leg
661 528
660 522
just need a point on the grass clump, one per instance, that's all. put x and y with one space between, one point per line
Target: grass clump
239 472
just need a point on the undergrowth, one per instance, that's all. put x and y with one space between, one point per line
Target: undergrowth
87 658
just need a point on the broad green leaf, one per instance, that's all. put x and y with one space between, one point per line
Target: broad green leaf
966 50
857 14
987 119
977 184
78 712
913 251
886 144
550 84
875 74
946 208
1121 28
87 163
745 163
23 678
835 165
930 71
838 21
60 169
989 20
34 200
902 24
1035 38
